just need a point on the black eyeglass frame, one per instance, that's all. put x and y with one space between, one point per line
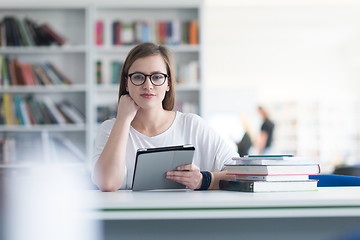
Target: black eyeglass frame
150 76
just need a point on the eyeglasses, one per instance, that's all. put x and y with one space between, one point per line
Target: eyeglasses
156 79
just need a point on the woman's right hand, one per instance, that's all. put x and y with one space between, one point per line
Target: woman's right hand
127 108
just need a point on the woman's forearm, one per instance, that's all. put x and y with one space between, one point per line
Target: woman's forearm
109 171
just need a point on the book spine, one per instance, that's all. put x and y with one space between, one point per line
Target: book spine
65 80
19 112
99 79
25 34
4 71
54 111
30 29
48 119
236 186
193 32
25 113
39 118
2 34
42 75
29 112
99 33
9 112
72 112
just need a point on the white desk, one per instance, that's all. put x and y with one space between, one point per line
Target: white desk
324 214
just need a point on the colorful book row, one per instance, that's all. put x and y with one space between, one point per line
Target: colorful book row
174 32
17 32
109 72
103 69
30 110
15 73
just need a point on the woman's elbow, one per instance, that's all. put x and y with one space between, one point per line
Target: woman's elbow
108 185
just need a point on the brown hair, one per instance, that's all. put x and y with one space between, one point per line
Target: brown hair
145 50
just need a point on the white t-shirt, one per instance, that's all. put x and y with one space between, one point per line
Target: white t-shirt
211 150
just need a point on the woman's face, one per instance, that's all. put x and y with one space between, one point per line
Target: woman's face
148 95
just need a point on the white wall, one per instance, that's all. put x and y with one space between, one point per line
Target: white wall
282 51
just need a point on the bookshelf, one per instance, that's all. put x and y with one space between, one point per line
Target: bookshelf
34 141
77 59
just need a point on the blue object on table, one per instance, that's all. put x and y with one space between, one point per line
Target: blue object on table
333 180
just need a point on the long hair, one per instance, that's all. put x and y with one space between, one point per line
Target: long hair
145 50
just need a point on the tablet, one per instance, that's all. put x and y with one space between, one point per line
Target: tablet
152 164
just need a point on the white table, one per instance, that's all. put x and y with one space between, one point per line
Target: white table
324 214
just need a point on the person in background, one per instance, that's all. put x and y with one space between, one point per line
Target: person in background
145 118
266 132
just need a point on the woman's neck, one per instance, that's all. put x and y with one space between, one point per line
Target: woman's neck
152 123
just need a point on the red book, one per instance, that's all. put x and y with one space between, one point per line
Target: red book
99 31
28 74
162 32
18 72
118 27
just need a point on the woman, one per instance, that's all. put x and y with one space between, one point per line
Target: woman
145 119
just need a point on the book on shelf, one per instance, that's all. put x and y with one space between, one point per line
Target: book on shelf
98 69
272 169
2 112
2 34
26 32
193 32
9 116
268 186
59 118
99 32
72 113
116 70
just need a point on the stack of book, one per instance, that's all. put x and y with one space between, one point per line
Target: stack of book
269 173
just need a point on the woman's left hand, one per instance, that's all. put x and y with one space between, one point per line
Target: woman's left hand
189 175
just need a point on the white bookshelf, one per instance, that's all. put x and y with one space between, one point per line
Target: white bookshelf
77 58
34 142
